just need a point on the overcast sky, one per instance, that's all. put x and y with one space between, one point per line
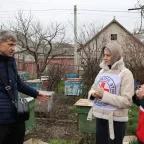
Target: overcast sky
101 11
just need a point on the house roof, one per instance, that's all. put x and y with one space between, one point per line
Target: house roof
57 48
64 47
113 21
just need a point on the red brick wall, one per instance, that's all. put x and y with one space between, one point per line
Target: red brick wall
30 66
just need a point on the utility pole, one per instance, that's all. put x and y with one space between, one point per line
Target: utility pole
75 40
141 11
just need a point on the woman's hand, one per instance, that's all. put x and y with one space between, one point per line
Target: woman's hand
99 92
94 94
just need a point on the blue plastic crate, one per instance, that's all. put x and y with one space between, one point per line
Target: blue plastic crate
73 88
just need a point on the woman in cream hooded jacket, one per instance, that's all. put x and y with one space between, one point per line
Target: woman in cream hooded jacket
111 94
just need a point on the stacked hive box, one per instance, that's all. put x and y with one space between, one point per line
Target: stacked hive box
36 84
24 75
73 85
83 106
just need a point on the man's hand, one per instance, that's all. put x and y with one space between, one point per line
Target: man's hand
140 93
142 86
43 97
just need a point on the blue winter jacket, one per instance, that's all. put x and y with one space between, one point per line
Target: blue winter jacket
8 68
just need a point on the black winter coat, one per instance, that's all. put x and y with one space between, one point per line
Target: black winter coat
138 101
8 68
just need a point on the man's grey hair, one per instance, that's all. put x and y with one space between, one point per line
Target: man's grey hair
7 35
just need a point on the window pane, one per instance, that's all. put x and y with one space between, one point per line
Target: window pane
113 36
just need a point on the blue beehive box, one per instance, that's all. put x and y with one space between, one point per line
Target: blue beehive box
72 75
36 84
73 88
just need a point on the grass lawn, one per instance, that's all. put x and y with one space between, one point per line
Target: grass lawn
61 86
55 141
133 120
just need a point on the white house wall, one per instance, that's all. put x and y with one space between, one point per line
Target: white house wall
105 36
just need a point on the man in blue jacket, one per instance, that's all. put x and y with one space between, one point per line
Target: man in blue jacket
12 131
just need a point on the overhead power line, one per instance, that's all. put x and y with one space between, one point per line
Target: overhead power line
141 12
69 10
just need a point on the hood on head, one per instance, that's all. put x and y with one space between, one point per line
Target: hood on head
116 51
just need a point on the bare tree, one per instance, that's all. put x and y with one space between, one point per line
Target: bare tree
90 46
56 73
88 31
139 6
134 57
41 43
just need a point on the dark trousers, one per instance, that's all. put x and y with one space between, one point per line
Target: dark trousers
140 142
102 132
12 133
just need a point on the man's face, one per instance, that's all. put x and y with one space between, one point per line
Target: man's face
7 48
